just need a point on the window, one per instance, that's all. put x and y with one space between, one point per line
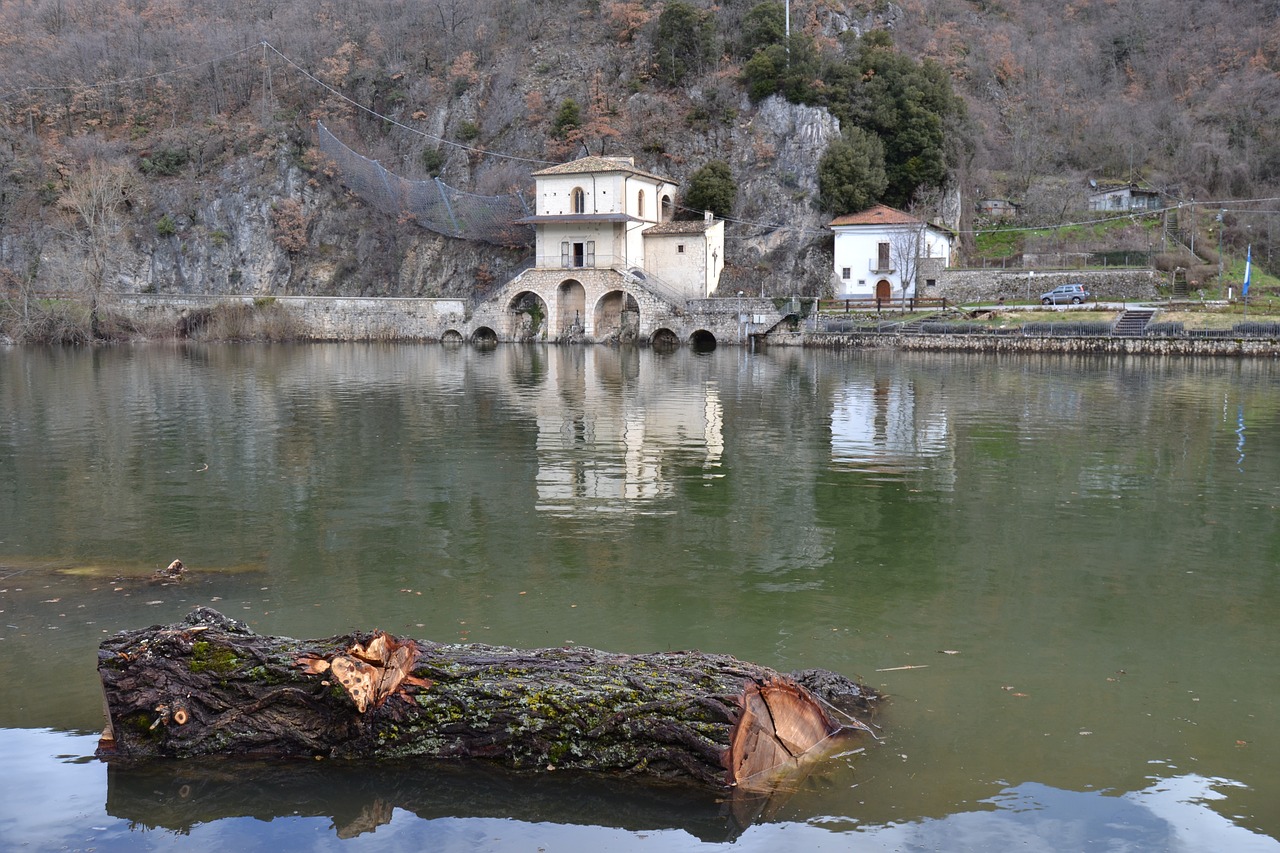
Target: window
640 204
882 261
846 273
578 254
680 248
579 200
930 282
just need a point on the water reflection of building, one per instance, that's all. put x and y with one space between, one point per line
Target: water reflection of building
607 442
885 422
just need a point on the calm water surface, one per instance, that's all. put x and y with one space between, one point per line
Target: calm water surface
1063 570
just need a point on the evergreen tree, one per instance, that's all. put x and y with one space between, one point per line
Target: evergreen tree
684 43
712 188
851 173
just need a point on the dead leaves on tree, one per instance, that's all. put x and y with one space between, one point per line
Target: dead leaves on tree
371 672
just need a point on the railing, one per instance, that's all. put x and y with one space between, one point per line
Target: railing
654 285
1166 331
878 304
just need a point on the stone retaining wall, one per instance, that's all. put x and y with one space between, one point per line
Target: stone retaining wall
319 318
968 286
1019 344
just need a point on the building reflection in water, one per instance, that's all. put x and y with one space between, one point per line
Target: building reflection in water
607 442
887 423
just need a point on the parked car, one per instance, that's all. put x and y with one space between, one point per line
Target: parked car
1063 293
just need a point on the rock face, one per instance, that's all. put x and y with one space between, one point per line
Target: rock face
786 248
248 209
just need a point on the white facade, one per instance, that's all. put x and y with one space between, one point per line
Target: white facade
603 213
687 256
591 213
877 249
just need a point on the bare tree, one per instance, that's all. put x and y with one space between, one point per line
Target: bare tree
96 196
909 244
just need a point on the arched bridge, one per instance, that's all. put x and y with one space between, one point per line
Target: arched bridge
608 305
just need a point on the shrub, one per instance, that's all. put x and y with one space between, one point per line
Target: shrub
568 118
164 162
712 188
432 161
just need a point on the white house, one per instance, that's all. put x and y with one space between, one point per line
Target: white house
604 213
883 253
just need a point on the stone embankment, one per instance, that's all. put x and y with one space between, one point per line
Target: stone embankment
729 322
1005 344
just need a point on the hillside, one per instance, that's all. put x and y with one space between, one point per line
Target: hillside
155 146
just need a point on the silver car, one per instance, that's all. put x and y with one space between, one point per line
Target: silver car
1064 293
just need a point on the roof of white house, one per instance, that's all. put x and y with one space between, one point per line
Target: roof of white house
881 214
587 165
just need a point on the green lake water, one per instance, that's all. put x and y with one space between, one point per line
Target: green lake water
1065 571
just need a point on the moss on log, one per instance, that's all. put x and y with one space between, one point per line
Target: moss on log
211 686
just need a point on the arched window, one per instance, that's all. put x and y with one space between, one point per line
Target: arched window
640 204
666 208
579 200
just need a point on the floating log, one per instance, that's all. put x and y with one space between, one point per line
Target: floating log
211 686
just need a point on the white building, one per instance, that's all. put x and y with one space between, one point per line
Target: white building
603 213
883 253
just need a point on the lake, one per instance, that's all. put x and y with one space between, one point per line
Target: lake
1062 570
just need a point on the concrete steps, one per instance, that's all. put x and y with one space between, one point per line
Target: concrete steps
1132 323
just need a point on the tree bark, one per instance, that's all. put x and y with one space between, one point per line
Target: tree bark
211 686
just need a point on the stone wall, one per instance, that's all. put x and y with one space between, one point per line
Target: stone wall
968 286
1006 344
318 318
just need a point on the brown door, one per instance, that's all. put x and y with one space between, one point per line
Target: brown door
884 291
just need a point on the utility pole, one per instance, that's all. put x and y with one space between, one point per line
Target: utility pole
1193 226
1221 215
788 13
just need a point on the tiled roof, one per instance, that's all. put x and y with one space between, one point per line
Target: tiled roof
878 215
586 165
689 226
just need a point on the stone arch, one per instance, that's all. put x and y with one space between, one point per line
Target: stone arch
484 336
664 339
451 336
702 341
616 316
530 316
571 309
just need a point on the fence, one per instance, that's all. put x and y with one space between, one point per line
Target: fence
432 204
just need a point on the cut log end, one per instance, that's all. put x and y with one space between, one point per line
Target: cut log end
782 727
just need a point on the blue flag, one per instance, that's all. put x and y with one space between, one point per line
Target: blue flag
1248 261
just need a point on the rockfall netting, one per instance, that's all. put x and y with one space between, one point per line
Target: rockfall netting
432 204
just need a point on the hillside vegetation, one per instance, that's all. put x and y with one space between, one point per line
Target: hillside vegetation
151 145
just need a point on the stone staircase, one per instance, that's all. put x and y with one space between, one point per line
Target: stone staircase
1132 323
916 327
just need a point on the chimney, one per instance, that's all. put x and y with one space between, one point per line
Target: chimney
708 217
